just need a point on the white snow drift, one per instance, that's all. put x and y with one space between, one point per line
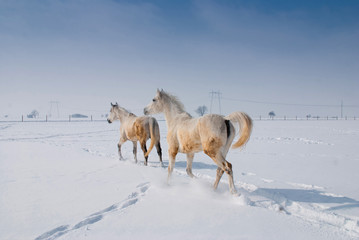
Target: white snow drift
297 180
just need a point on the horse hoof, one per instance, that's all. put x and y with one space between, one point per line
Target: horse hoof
234 192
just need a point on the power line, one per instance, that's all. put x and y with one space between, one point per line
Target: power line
83 109
291 104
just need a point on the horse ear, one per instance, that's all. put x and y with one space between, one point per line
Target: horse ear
159 93
112 104
116 104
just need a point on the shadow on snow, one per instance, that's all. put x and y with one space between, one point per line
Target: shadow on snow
195 165
307 196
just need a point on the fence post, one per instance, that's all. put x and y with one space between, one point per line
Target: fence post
260 117
22 118
91 118
46 118
69 118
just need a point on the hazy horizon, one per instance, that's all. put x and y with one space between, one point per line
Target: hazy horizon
290 57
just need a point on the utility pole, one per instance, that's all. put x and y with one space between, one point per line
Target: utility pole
55 104
218 96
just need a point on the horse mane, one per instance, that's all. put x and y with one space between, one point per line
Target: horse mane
125 111
174 101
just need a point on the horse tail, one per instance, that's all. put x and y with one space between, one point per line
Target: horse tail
153 125
245 127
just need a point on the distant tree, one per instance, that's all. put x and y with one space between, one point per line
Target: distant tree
271 114
33 114
201 110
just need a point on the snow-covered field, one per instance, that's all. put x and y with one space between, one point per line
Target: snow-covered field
61 180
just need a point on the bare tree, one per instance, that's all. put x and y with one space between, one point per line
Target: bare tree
271 114
201 110
33 114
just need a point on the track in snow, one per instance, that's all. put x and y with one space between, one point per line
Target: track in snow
122 206
307 202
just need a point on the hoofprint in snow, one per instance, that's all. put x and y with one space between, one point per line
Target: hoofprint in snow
63 181
132 199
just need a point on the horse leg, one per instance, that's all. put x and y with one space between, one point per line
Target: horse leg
144 149
172 155
229 171
135 150
119 148
218 177
159 152
223 166
190 157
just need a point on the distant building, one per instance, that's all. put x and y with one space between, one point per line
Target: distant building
77 115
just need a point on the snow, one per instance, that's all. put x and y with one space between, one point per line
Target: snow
63 180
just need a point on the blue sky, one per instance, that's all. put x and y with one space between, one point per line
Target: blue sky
261 55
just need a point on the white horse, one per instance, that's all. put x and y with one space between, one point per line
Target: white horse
211 133
135 129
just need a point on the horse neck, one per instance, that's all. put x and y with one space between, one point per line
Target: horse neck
122 115
171 112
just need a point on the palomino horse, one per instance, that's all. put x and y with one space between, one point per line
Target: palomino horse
135 129
211 133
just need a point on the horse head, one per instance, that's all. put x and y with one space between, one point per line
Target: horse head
113 113
156 106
